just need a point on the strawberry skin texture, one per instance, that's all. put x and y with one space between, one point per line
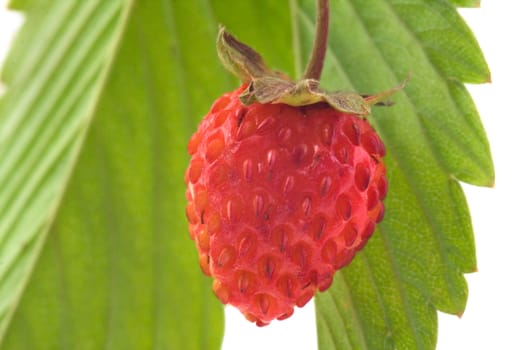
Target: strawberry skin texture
279 199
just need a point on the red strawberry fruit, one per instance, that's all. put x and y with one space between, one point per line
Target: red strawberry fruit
279 199
285 184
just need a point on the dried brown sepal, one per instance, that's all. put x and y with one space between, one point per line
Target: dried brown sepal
240 59
268 86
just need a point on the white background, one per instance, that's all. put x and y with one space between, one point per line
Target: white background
495 314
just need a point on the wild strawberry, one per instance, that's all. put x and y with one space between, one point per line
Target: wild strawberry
279 199
285 184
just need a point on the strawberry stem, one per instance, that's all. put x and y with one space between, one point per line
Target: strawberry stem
316 61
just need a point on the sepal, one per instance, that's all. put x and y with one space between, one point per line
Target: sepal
267 86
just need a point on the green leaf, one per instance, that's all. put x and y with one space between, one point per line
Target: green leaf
43 120
414 264
102 98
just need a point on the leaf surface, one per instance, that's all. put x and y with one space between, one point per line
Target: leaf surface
105 259
54 75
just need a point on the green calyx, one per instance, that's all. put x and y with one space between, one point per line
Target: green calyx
267 86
